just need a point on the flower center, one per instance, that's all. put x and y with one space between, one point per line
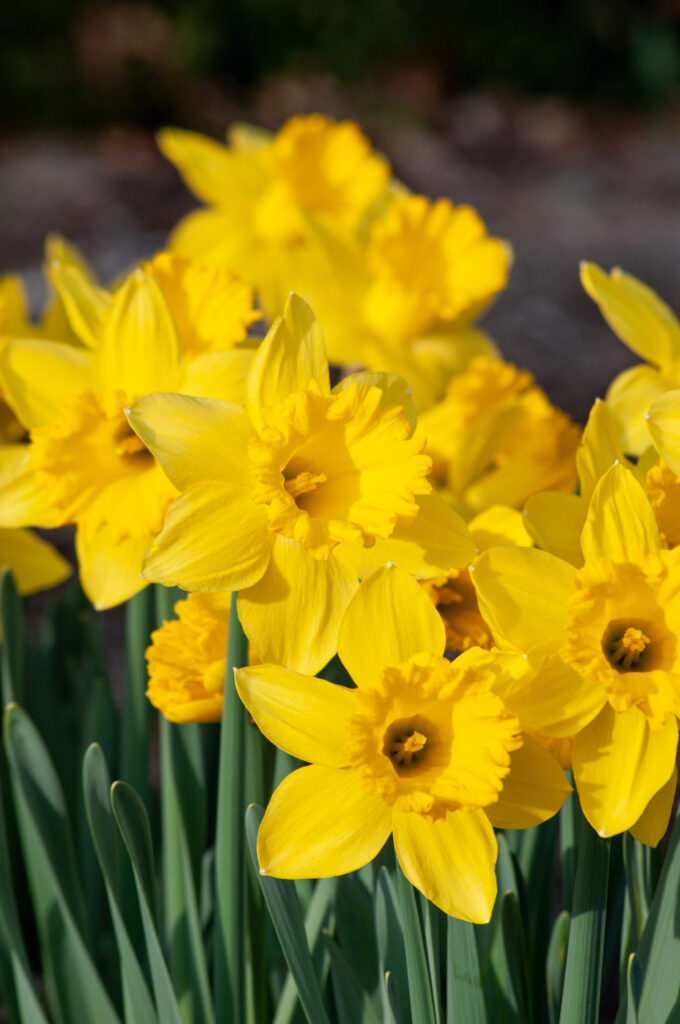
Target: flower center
431 735
96 472
406 744
627 648
455 598
339 467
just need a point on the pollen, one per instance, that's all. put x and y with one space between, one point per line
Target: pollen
626 651
404 750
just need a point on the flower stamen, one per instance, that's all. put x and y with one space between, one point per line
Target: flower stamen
626 651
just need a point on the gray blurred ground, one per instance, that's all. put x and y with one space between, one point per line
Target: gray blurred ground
560 185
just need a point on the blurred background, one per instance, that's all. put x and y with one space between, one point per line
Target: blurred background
560 122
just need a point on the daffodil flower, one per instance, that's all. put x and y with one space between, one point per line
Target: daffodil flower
266 196
84 464
495 439
647 326
422 749
186 660
604 638
404 297
293 499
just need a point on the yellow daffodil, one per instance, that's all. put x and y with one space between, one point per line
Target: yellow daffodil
267 195
495 439
647 326
404 298
33 562
292 499
422 749
605 640
15 320
186 660
83 464
454 595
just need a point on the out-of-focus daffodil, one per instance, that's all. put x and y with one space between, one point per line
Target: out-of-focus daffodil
33 562
404 297
647 326
422 749
293 499
455 597
268 195
495 439
186 660
83 464
605 640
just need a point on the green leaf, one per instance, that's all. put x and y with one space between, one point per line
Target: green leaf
133 823
516 956
183 815
136 707
75 989
229 962
434 929
659 949
420 990
17 983
634 988
13 639
317 915
496 980
352 1001
464 993
137 1002
556 963
583 974
536 861
391 950
391 1000
569 819
355 931
284 910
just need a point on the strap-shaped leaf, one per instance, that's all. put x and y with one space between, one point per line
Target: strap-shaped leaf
284 910
75 990
13 639
464 993
132 820
137 1002
420 990
556 963
391 952
352 1001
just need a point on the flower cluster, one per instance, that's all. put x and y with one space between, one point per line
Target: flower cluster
502 587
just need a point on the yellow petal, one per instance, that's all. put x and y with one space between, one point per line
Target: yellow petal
551 697
555 522
522 596
534 790
499 524
321 822
219 375
619 514
635 313
651 826
664 426
629 397
214 538
109 567
194 439
292 615
23 499
291 356
211 170
450 860
434 544
389 619
217 239
139 349
599 449
307 717
394 388
619 765
34 563
39 378
86 305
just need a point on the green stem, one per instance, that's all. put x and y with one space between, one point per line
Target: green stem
136 708
229 967
583 973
